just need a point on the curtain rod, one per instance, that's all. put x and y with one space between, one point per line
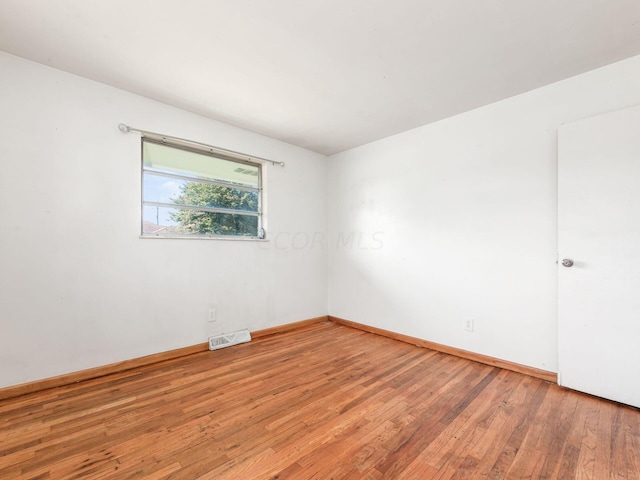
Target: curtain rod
126 129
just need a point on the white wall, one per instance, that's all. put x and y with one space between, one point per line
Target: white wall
78 287
457 221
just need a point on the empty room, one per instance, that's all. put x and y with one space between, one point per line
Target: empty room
354 239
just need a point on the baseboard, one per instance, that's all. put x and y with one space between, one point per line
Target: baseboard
476 357
74 377
288 327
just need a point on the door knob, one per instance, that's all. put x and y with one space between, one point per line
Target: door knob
567 262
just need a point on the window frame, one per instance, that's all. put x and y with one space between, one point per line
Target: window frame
210 152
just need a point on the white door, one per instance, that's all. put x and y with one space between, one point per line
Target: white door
599 230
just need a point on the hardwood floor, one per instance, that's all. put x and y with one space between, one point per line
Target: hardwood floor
325 402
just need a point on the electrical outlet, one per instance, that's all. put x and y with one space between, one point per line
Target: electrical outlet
212 314
468 325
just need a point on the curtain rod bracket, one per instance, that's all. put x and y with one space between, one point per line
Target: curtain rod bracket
124 128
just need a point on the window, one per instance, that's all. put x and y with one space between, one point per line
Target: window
189 192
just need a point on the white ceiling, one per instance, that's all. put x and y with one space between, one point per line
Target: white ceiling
326 75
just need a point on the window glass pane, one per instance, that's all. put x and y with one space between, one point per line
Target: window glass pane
175 160
166 221
157 188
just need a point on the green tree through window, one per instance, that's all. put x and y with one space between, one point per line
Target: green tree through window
215 223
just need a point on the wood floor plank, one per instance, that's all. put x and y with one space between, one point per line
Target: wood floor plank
630 463
325 402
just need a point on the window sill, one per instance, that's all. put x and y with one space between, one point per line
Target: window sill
195 237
